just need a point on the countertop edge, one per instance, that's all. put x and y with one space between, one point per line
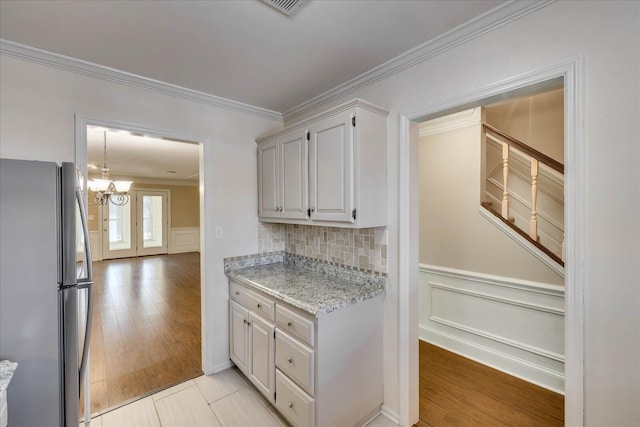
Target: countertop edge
300 304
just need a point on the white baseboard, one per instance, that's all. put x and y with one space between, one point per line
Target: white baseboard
184 239
390 414
220 367
512 325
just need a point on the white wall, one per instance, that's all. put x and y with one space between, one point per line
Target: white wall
606 35
37 107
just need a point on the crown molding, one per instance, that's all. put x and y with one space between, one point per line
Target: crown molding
90 69
489 21
451 122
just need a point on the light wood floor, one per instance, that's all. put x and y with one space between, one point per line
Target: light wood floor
226 399
146 327
456 391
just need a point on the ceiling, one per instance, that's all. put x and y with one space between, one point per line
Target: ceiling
133 155
244 51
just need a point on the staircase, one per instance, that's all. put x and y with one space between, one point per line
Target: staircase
524 188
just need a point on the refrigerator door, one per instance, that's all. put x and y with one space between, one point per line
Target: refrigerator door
69 297
29 299
84 278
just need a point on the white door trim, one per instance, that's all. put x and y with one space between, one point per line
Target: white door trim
572 70
206 194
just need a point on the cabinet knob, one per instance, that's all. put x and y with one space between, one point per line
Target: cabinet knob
290 360
258 305
289 324
237 292
290 404
313 210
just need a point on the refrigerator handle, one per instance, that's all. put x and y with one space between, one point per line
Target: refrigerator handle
87 332
87 242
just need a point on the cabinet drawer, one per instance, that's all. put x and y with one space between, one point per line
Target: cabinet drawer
293 403
295 360
295 324
253 301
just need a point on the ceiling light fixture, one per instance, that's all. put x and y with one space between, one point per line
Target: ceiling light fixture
105 190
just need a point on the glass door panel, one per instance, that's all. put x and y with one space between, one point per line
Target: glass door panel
152 222
119 229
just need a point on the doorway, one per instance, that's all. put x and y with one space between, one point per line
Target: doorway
146 334
137 228
571 72
490 303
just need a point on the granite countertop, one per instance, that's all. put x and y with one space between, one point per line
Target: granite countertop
7 368
314 287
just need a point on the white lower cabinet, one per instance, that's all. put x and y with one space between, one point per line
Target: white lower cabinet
317 372
3 409
293 403
261 370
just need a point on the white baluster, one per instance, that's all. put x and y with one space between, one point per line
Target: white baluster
533 224
505 179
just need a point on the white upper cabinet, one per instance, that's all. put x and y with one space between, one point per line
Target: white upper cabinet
331 169
268 178
282 177
328 170
293 175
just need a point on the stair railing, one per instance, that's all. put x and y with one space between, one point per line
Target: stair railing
536 158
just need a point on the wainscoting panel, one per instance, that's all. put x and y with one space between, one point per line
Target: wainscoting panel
184 239
513 325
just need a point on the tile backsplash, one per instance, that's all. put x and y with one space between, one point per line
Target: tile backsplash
364 248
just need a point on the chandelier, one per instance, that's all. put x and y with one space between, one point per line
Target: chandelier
105 190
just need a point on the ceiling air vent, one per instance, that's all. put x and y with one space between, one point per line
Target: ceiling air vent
285 6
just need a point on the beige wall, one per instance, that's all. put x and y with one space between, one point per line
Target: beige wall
535 120
452 232
185 204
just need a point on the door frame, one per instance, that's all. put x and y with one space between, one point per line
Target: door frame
572 71
205 158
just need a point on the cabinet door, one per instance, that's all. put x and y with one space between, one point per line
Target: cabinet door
331 168
293 175
262 365
238 336
268 177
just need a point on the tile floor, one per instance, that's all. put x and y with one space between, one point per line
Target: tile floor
225 399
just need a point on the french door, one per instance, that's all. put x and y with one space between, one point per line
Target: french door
137 228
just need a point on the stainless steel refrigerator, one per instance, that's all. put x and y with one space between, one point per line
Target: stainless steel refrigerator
45 290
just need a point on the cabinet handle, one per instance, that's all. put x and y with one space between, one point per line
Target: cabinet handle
289 324
258 305
290 360
245 322
290 404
